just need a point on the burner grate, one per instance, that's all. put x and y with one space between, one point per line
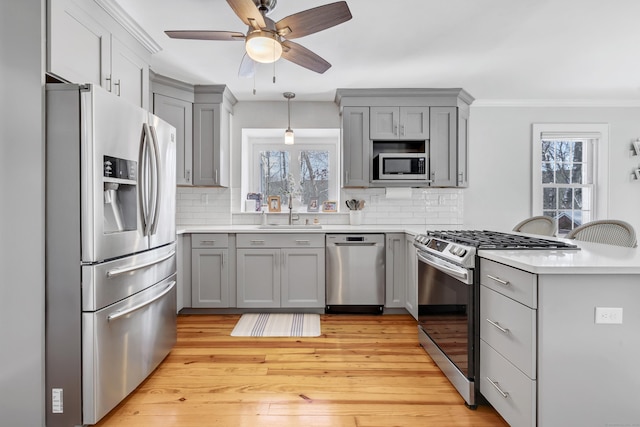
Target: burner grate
484 239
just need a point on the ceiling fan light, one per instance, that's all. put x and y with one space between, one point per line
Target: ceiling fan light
263 46
288 137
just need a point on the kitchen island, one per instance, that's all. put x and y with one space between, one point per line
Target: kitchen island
565 358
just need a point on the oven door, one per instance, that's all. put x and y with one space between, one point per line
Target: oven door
446 311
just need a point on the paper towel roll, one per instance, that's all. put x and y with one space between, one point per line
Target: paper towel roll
398 193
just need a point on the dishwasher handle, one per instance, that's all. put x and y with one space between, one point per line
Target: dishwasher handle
355 244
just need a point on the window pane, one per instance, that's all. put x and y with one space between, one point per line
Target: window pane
549 198
577 198
274 170
314 169
563 151
563 173
547 173
577 151
565 198
576 175
547 151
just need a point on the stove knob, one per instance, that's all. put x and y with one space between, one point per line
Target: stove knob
462 252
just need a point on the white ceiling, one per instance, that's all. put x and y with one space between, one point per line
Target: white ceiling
494 49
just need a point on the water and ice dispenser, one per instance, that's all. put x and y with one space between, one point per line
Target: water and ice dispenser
120 178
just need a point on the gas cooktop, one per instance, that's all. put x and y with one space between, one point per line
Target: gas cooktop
483 239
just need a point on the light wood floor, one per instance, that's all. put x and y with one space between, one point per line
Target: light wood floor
363 371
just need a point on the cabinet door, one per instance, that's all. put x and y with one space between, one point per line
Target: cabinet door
206 144
303 282
79 48
463 148
258 278
395 270
414 123
443 146
178 113
209 278
411 293
355 147
385 122
129 75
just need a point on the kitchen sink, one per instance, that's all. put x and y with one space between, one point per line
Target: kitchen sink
290 227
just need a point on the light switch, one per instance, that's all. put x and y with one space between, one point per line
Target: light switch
609 315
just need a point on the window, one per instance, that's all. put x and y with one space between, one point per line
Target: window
307 170
569 172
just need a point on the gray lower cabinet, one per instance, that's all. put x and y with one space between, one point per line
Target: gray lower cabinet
210 271
411 276
280 270
395 270
508 341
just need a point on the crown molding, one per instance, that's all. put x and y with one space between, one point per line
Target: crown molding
573 103
123 18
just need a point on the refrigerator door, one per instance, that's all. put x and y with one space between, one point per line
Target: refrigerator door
123 343
111 133
163 225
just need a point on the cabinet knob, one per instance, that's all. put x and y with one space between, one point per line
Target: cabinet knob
188 175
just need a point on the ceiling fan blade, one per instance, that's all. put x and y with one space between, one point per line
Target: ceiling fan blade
304 57
247 67
247 12
313 20
206 35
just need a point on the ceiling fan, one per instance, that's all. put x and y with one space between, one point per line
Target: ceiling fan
266 41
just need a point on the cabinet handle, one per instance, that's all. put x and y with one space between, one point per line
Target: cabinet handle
497 325
188 175
216 179
224 259
402 130
303 242
257 242
497 279
117 84
208 242
395 128
460 178
497 387
108 80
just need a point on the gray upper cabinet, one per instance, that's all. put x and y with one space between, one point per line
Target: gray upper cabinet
443 146
212 115
85 44
439 117
355 147
403 123
179 113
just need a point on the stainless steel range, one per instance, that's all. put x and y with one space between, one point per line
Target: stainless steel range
449 298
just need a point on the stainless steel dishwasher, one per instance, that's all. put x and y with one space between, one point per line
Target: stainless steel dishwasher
355 273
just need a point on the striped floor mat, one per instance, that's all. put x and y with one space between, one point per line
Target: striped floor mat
277 325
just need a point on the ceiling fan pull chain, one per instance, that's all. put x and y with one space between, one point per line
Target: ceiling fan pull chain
274 72
254 83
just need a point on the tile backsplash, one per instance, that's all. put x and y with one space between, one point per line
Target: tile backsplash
221 206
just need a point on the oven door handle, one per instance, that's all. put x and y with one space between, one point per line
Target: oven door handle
459 273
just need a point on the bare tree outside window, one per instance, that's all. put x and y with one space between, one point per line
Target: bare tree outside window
566 182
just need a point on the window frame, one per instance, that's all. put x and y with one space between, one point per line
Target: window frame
599 134
256 140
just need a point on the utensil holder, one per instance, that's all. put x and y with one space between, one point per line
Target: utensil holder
355 217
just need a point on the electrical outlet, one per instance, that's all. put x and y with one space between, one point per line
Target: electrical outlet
57 401
609 315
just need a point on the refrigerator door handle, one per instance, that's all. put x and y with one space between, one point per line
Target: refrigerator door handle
119 314
156 177
119 271
144 191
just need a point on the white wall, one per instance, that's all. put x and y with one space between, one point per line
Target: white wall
21 214
499 193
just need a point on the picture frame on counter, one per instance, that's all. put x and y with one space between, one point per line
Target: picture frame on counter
313 205
330 206
274 203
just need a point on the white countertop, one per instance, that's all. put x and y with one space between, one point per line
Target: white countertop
592 258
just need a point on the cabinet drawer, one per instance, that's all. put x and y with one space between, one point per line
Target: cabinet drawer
289 240
516 399
516 284
209 240
510 328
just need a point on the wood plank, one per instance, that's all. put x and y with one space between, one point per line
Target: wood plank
363 371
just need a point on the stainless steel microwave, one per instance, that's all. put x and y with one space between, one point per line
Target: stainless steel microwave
405 166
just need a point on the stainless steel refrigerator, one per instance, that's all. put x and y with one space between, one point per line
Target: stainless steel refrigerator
110 250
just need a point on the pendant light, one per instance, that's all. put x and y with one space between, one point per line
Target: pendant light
288 134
